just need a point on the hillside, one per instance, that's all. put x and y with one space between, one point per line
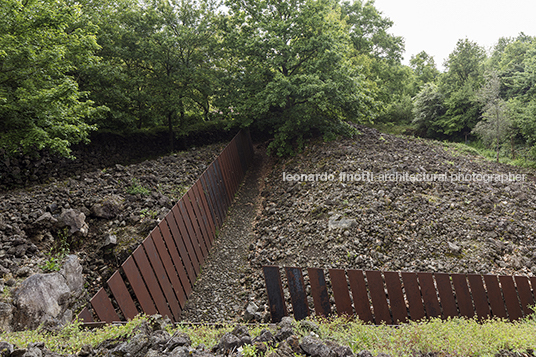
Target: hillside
433 225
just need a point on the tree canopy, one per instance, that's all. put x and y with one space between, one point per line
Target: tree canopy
42 44
295 69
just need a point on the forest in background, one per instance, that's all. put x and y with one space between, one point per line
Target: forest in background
294 69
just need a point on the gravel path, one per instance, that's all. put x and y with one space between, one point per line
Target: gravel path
220 294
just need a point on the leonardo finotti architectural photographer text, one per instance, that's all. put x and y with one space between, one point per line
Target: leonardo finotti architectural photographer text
369 176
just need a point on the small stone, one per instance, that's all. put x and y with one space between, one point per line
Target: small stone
109 241
454 248
251 310
229 342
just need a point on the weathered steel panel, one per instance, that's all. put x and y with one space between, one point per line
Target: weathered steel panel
205 212
510 297
138 286
208 188
221 188
413 294
480 297
274 289
465 303
341 294
151 281
85 316
525 294
122 296
446 296
379 299
178 241
396 297
360 295
182 238
319 291
429 295
199 219
103 307
190 235
298 297
162 277
178 263
496 300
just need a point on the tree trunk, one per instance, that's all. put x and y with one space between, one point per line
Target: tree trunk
497 132
170 128
512 146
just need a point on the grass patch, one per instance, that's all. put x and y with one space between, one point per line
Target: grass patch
72 337
453 337
460 337
393 129
136 188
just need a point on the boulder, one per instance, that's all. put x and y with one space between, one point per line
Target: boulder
343 223
47 298
72 272
108 208
6 315
46 221
315 348
75 220
251 312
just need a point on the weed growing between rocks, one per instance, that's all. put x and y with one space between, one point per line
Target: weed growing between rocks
72 337
54 258
151 336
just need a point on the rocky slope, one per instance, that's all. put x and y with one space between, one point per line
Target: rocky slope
320 221
392 223
100 215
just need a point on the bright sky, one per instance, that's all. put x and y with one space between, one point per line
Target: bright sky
436 25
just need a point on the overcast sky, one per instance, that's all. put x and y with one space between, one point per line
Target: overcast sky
435 26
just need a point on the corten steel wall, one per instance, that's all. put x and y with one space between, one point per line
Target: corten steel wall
395 297
159 275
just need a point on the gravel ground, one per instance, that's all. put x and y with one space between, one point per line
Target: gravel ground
436 226
219 293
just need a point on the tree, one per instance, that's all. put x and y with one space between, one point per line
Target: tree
424 68
496 124
427 109
368 31
42 45
459 85
294 77
159 63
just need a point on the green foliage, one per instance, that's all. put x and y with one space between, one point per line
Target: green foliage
248 351
294 76
424 68
145 212
159 63
42 45
57 253
136 188
368 31
496 125
428 108
73 336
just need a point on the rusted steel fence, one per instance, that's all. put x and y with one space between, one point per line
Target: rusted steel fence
396 297
159 275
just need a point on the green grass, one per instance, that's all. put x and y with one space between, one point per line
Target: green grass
136 188
477 149
460 337
456 337
393 129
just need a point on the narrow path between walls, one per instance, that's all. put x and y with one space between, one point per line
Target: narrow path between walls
219 294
